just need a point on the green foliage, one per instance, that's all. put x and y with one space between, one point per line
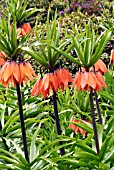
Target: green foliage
17 10
41 133
88 46
46 55
42 138
10 43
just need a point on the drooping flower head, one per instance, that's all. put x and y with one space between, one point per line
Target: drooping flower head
64 77
84 80
52 82
45 85
23 30
26 72
13 72
49 83
9 73
87 80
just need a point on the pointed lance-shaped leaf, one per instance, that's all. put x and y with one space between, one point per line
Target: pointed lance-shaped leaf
35 56
101 45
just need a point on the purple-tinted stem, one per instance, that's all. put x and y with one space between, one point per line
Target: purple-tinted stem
94 122
62 151
22 122
98 109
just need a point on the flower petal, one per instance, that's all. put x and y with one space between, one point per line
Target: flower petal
91 80
45 82
15 70
36 89
100 79
7 72
53 80
84 79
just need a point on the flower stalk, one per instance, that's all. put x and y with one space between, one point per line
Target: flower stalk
62 151
98 109
94 122
22 122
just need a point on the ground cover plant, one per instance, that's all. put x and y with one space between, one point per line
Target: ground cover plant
56 93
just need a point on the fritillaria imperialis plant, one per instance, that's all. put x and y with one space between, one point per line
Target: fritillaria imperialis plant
47 57
13 35
16 71
88 47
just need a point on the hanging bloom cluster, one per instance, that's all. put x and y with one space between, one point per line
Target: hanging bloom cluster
52 81
13 72
77 129
84 80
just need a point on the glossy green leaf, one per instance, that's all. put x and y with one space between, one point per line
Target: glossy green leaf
14 37
22 160
67 55
79 49
82 126
104 148
28 13
101 45
36 57
33 152
87 47
85 148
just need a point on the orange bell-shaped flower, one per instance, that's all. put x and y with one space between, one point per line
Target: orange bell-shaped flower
13 72
52 82
36 89
10 73
77 80
64 77
49 83
45 85
100 81
26 72
26 28
87 80
99 66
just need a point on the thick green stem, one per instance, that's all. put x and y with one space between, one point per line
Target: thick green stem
22 122
94 122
